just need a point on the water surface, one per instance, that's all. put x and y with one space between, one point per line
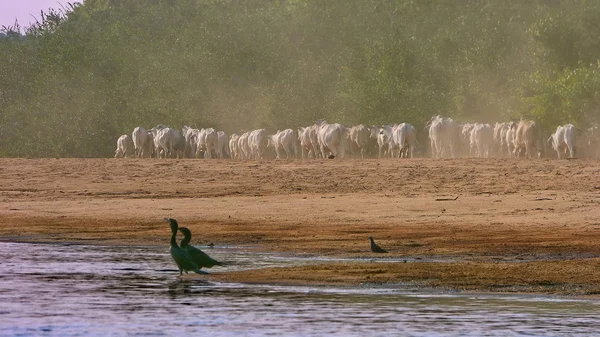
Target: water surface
78 290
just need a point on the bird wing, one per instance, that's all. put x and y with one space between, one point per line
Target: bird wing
182 259
380 250
201 258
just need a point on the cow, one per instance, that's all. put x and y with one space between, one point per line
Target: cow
509 139
200 146
443 133
233 146
404 139
359 138
563 140
465 138
482 140
500 145
331 139
125 147
169 142
206 143
223 150
191 140
309 143
257 143
528 137
503 146
142 140
385 140
211 139
372 146
158 148
285 141
244 146
498 128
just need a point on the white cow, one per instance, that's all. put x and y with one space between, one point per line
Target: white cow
191 140
125 147
528 137
498 127
211 139
309 143
200 146
154 132
482 140
563 140
385 140
233 146
503 146
244 146
359 137
222 145
510 138
285 141
373 136
206 143
404 138
464 138
169 142
331 139
257 143
443 134
142 140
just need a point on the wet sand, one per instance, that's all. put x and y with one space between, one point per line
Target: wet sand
516 226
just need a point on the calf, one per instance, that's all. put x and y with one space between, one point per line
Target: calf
125 147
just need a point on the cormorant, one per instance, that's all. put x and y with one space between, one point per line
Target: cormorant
375 248
180 256
199 257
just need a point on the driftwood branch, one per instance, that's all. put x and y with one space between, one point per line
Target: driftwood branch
447 199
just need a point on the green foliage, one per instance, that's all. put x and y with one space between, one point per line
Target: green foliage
569 96
84 75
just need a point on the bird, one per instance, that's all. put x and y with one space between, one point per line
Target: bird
199 257
180 256
375 248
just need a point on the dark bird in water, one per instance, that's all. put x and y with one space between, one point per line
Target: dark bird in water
375 248
199 257
180 256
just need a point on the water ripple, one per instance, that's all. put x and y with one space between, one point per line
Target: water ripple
73 290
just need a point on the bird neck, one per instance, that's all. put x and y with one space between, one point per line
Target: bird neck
185 241
173 239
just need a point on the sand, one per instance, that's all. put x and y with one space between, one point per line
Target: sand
515 225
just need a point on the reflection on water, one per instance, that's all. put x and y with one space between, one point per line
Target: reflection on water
62 290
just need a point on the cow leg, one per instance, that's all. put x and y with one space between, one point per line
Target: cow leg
278 152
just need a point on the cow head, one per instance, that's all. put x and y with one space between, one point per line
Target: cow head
428 124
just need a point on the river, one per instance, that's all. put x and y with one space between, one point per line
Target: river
88 290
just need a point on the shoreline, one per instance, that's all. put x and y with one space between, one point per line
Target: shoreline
518 226
565 278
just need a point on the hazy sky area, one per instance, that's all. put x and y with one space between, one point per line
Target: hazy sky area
27 11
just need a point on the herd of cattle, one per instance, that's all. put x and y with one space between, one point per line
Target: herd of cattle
448 139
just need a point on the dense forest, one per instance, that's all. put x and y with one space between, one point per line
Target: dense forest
81 76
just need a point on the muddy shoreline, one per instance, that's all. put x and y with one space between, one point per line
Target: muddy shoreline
517 225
